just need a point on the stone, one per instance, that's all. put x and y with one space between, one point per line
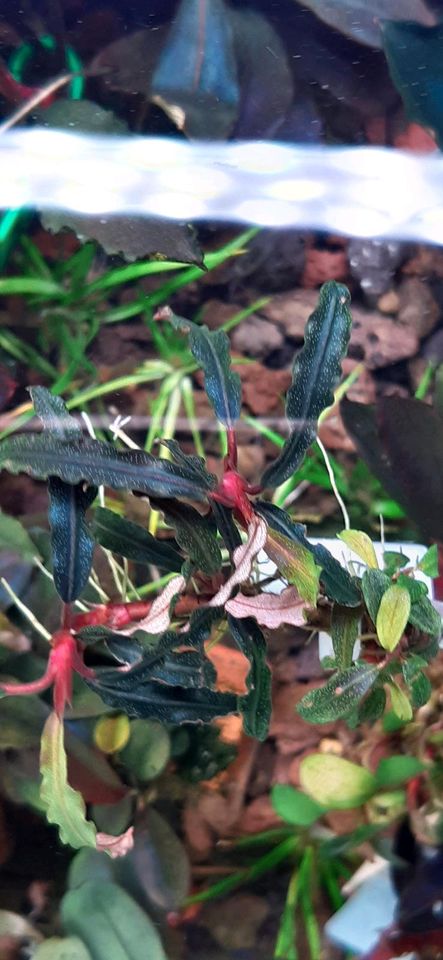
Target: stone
234 923
256 337
251 461
291 310
263 389
389 302
380 340
322 265
216 312
373 264
418 310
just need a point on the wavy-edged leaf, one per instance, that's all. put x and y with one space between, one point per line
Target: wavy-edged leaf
243 559
316 373
71 539
336 580
54 415
255 707
340 695
159 617
392 617
192 464
94 462
195 534
425 617
229 532
269 609
132 541
168 704
335 782
345 625
362 545
296 564
210 349
64 806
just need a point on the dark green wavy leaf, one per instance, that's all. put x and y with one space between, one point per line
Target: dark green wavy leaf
71 540
255 707
131 540
316 373
210 348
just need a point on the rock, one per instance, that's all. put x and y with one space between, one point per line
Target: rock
389 302
427 262
257 337
418 310
234 923
373 263
417 368
273 260
257 816
332 431
291 310
263 389
379 340
216 312
198 834
415 138
433 348
322 265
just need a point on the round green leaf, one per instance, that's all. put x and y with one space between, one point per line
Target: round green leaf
295 807
392 617
394 771
147 751
334 782
62 948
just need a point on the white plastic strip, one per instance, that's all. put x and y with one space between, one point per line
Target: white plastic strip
358 191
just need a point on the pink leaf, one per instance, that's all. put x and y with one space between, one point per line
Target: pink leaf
243 558
115 846
159 618
270 609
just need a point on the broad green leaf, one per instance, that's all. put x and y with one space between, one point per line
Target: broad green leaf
15 539
294 806
361 21
409 47
157 869
425 617
362 545
429 562
195 534
62 948
392 616
338 583
340 695
54 415
334 782
71 540
316 373
373 706
416 588
211 351
255 707
393 561
196 83
417 682
296 564
400 703
147 751
64 806
345 624
94 462
131 540
110 923
374 584
396 770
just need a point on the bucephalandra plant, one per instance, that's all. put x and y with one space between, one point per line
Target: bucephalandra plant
148 659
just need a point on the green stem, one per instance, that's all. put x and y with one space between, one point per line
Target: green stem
286 943
307 907
262 866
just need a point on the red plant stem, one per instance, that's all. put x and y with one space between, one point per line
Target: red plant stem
64 658
232 456
119 615
17 93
